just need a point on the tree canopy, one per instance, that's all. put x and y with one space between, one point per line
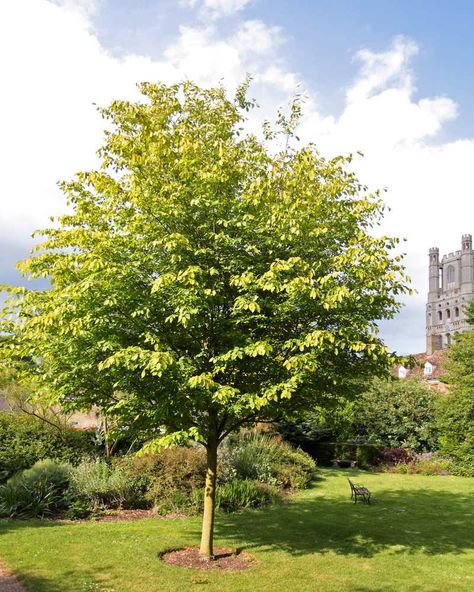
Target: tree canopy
202 281
397 413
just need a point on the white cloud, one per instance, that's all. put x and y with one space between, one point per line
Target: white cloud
53 69
379 70
428 184
87 8
216 9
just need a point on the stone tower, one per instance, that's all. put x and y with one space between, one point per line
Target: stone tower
451 288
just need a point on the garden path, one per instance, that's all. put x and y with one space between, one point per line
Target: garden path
8 582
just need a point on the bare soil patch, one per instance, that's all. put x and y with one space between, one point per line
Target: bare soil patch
120 515
224 559
8 582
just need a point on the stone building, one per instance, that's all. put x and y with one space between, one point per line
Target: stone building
451 288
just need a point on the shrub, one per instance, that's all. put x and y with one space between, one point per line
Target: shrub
37 500
428 463
270 460
35 492
397 413
168 478
162 474
239 494
256 457
395 456
326 452
24 440
180 468
45 470
462 467
100 484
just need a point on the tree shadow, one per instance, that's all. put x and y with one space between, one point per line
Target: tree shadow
87 582
7 524
431 522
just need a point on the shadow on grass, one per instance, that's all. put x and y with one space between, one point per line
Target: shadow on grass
432 522
86 582
7 524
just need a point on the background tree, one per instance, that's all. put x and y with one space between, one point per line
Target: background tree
387 412
202 282
396 413
456 407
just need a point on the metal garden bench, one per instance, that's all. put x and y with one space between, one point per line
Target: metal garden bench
359 491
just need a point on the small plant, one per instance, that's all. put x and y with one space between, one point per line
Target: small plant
79 509
175 502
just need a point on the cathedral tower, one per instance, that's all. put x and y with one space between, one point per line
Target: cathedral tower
451 288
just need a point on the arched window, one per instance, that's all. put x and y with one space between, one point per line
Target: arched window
448 313
450 274
440 315
456 312
448 339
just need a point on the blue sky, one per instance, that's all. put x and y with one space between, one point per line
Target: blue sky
323 35
391 78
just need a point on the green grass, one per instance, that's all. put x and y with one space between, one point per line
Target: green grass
417 537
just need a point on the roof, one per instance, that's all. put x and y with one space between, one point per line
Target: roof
437 359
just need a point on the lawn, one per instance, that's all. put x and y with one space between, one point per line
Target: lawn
417 537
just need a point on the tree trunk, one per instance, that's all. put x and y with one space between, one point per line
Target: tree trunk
106 438
206 550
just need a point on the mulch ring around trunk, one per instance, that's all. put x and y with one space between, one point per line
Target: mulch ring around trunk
224 559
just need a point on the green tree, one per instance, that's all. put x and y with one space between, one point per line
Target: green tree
396 413
202 281
456 407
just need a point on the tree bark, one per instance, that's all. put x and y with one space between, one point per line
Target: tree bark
106 437
206 550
